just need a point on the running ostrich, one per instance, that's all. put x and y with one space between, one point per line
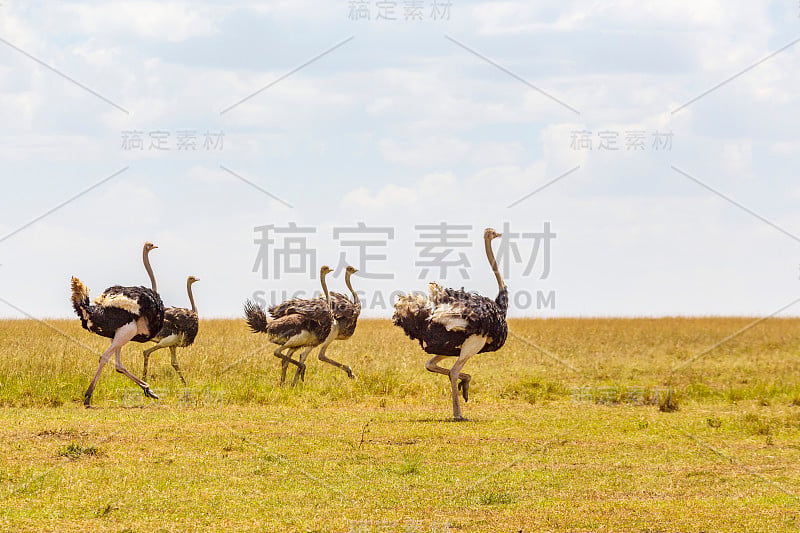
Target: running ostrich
345 316
122 314
297 323
179 331
456 323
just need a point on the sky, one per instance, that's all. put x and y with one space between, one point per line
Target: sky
642 157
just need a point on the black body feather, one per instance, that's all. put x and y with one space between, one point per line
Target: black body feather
482 316
106 320
181 322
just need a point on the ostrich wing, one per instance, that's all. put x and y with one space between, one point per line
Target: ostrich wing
459 310
343 308
299 306
346 314
180 321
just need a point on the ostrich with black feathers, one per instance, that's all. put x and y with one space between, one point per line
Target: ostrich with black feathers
456 323
180 329
122 314
296 323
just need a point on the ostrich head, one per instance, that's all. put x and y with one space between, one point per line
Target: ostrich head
325 270
351 270
192 279
148 246
490 233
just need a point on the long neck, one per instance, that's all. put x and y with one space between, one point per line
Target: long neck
324 287
146 259
493 263
349 286
191 296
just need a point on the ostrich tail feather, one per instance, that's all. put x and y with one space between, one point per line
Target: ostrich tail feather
411 313
256 317
80 299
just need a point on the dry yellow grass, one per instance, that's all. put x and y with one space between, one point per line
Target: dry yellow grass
566 433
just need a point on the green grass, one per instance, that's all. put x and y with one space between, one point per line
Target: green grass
547 448
76 451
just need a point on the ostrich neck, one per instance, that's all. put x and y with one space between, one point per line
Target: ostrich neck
191 296
325 288
349 286
146 259
493 263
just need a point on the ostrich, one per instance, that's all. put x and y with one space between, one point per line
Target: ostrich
345 315
296 324
456 323
179 331
122 314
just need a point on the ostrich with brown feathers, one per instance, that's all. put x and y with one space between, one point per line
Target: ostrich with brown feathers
180 329
297 323
345 319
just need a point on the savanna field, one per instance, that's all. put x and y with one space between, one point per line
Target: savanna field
575 425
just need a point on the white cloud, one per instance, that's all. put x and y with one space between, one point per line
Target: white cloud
174 21
429 152
207 174
425 194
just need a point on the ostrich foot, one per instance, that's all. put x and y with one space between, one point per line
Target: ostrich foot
460 419
301 374
349 372
149 392
87 401
463 386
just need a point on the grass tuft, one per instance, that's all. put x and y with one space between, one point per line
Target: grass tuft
669 403
495 498
411 465
76 451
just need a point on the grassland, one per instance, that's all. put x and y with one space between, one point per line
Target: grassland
596 433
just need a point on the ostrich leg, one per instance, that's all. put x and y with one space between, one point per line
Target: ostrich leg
463 385
146 354
322 357
301 370
470 347
122 336
163 343
324 348
87 397
286 360
346 368
174 359
124 371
